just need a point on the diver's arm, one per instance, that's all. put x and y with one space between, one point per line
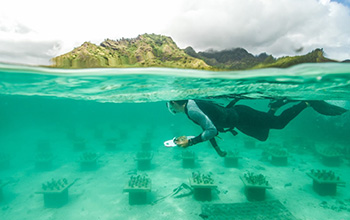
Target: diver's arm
184 142
197 115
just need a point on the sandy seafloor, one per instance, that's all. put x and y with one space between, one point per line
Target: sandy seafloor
98 194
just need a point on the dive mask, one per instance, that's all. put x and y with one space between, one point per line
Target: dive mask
171 108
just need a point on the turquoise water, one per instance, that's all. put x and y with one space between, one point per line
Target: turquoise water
48 110
308 81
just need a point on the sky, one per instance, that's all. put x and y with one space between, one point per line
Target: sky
32 32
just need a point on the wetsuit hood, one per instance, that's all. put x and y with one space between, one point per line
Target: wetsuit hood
172 109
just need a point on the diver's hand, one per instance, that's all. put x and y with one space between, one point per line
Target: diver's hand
181 141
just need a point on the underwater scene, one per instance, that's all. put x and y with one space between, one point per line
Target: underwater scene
90 143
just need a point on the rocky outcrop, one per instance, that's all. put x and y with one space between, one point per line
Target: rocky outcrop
148 50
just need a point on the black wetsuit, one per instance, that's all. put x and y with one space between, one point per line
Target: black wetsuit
214 118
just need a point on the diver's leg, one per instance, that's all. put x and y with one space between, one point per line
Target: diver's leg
257 124
252 122
274 105
232 103
260 133
235 100
279 122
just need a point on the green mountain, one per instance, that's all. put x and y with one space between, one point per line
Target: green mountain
234 59
151 50
240 59
316 56
148 50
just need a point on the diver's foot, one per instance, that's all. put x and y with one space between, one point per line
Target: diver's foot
325 108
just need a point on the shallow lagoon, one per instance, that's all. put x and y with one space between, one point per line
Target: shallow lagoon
50 116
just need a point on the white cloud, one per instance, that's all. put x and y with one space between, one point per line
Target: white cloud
277 27
20 44
34 31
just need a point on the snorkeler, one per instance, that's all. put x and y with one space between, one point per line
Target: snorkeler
214 118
